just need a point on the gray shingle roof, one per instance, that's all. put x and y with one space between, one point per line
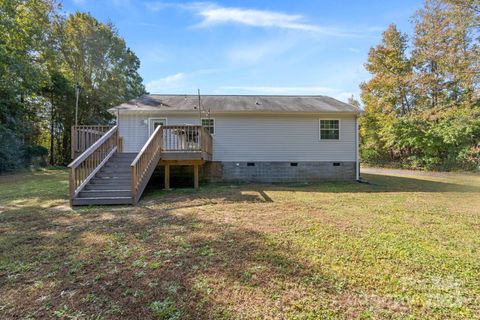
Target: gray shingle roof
238 103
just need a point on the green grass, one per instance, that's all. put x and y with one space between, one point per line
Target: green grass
400 246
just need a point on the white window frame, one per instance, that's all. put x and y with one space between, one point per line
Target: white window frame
320 130
214 126
150 120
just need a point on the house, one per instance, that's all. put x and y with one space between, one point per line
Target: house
229 138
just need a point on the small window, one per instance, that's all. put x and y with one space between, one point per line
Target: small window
293 164
250 164
209 124
329 129
336 164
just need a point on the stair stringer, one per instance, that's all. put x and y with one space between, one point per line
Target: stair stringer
146 178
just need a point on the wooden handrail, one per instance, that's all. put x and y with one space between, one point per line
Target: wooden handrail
145 162
83 136
85 166
207 141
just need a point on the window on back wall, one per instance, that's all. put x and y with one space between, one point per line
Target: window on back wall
329 129
209 124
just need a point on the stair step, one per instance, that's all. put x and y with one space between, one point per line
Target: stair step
111 175
101 200
124 156
122 160
112 164
108 186
111 184
115 181
115 169
123 164
98 193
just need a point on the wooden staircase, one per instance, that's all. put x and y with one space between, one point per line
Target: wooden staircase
102 174
111 184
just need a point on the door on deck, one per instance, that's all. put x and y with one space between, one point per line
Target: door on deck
154 123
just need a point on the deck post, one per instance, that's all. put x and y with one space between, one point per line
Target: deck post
73 143
133 174
195 176
72 179
167 176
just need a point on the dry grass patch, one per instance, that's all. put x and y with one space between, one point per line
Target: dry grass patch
401 246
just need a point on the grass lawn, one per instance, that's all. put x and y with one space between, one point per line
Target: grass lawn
402 246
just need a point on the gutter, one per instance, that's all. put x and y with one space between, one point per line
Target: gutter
132 111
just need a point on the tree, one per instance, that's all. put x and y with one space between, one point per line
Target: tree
424 110
98 59
24 30
42 56
387 95
444 55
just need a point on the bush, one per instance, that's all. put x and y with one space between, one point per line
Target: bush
15 155
10 151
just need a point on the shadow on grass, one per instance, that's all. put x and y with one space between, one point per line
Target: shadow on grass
372 183
115 264
115 261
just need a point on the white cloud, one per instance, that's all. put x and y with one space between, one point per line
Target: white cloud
215 15
166 84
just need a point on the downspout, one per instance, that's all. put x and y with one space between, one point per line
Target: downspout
357 142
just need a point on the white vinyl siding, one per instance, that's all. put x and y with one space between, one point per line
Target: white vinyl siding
280 138
134 127
256 137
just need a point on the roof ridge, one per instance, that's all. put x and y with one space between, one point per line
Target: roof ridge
237 95
240 103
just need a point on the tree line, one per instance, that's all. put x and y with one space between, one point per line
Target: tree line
422 103
45 56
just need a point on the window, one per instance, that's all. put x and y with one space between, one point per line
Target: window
209 124
329 129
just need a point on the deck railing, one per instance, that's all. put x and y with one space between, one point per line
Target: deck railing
86 135
145 162
86 165
186 138
206 141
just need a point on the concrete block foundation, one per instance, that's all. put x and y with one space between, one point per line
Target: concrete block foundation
277 172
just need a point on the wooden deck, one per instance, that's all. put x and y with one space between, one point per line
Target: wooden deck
102 174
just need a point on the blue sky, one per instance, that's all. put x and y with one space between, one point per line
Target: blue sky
252 47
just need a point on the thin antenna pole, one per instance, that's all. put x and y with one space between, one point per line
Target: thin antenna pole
199 107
